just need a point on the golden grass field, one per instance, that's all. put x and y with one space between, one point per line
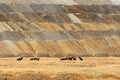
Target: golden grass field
91 68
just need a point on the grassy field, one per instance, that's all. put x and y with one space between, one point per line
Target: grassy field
91 68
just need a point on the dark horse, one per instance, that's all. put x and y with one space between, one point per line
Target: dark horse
35 58
81 58
19 58
68 58
74 58
63 58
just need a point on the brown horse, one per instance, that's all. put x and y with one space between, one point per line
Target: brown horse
68 58
74 58
64 58
81 58
35 58
19 58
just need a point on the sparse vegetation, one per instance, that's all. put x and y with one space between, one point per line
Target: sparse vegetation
92 68
102 55
115 54
59 39
7 55
55 54
25 54
43 55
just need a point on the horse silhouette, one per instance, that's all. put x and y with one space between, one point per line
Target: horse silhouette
19 58
68 58
81 58
35 58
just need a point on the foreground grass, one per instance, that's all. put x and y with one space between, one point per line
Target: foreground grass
92 68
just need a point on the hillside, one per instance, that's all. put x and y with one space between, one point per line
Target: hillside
59 27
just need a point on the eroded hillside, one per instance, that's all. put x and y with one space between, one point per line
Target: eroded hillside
59 27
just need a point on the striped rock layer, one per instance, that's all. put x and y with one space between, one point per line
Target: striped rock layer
59 27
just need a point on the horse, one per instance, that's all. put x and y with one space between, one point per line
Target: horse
81 58
68 58
19 58
35 58
63 58
74 58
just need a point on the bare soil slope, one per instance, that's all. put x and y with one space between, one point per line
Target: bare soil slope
59 28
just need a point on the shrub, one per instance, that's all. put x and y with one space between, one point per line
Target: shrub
56 54
102 55
7 55
87 55
70 54
115 54
43 55
25 54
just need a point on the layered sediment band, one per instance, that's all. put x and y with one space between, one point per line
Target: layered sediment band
59 27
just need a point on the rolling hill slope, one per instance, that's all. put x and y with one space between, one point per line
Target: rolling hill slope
59 27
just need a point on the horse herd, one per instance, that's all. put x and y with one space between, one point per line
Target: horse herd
33 58
71 58
63 58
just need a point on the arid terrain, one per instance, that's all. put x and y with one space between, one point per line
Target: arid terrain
84 27
91 68
60 28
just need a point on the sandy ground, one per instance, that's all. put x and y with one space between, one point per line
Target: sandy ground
92 67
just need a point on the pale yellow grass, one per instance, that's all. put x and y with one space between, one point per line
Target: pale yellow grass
92 68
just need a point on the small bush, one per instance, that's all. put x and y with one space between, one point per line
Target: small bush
87 55
56 55
25 54
7 55
78 54
70 54
43 55
115 54
102 55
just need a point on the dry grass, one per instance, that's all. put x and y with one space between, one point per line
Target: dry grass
92 68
